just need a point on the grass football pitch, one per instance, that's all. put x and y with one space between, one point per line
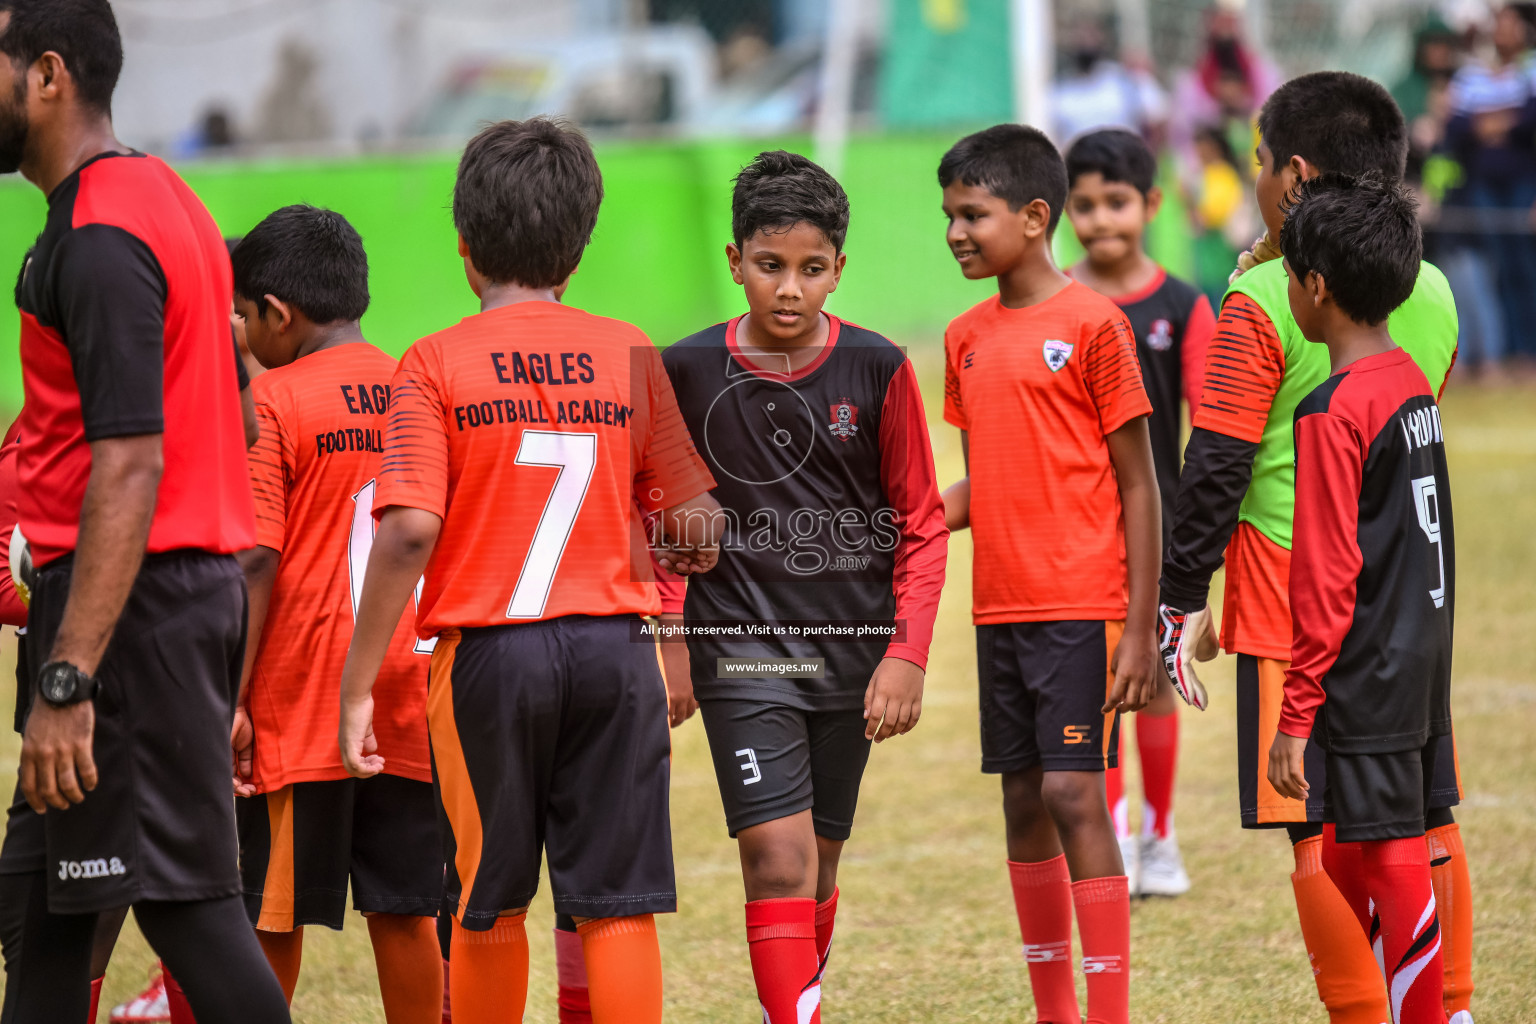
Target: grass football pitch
926 928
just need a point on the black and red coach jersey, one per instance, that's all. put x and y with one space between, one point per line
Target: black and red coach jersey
1373 563
1173 324
124 304
834 545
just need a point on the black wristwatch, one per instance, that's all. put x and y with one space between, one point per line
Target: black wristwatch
62 684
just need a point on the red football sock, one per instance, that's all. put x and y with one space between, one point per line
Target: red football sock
95 998
490 972
781 939
1114 789
623 961
447 997
1104 926
1157 743
176 1000
1453 903
826 920
573 1002
1397 873
1348 979
1346 867
1042 896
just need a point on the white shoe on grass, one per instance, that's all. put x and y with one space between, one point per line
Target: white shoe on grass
1461 1017
1130 854
1162 868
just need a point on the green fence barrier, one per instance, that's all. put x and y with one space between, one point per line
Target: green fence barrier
658 255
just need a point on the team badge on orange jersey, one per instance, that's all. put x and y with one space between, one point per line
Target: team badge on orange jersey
1057 353
845 419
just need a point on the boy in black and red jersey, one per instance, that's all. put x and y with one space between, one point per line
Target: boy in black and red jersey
1373 580
1112 197
831 563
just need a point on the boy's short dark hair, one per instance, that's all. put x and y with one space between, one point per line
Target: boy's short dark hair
310 258
1335 121
1115 155
780 189
526 200
1014 162
83 32
1362 235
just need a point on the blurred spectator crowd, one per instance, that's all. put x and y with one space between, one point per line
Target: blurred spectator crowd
1470 102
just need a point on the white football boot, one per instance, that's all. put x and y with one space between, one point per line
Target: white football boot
1130 854
1162 868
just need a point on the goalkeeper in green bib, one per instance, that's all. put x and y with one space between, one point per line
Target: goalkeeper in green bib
1235 504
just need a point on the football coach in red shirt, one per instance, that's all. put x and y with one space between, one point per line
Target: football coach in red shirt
134 495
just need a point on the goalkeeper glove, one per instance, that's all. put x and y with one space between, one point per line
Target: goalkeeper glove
1186 637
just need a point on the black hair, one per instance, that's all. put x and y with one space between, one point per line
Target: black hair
310 258
780 189
83 32
1362 235
526 200
1115 155
1215 136
1335 121
1014 162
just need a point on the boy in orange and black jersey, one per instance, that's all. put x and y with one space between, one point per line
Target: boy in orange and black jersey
306 827
522 447
1061 497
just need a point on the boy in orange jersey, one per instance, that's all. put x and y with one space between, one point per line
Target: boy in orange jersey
306 826
1062 498
522 447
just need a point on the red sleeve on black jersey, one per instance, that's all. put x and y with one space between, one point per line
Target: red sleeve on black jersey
1199 328
1325 559
111 306
911 485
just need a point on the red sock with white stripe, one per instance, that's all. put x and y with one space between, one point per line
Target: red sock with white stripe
574 1002
826 920
1104 925
1042 895
781 939
1397 876
1157 744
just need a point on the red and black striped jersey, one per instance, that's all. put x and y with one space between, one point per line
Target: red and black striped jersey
1373 564
832 513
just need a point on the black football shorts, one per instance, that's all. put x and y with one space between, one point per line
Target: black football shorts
772 761
300 845
160 824
25 849
552 736
1381 796
1260 691
1043 687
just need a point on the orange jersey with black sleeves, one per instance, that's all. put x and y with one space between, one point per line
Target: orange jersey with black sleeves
313 476
1038 390
541 435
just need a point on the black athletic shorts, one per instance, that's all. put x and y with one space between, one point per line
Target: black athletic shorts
25 849
1043 687
160 824
1380 796
301 844
773 761
1260 690
552 735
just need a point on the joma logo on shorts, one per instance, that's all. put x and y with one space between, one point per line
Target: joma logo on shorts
98 868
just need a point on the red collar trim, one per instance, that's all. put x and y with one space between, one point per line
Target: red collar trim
834 328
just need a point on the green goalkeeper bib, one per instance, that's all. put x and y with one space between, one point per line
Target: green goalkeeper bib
1424 326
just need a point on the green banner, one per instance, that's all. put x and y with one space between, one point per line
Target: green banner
946 63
